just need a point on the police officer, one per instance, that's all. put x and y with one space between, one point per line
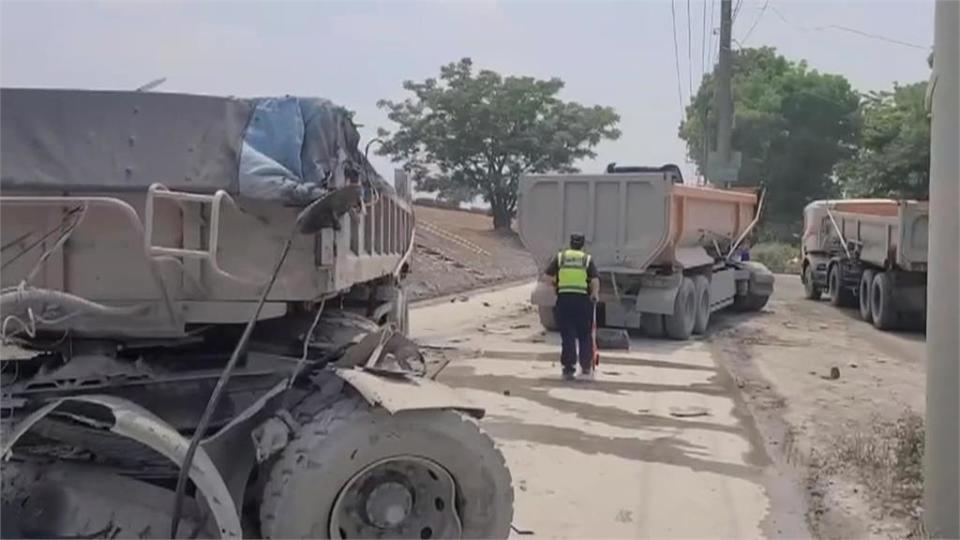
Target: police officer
575 276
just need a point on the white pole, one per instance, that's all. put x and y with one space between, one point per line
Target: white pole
942 460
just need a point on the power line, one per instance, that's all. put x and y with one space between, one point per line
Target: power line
676 55
756 22
703 43
736 11
689 54
714 58
878 37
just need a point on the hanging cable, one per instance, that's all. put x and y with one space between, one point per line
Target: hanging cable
736 11
689 54
676 56
713 57
755 22
847 29
703 43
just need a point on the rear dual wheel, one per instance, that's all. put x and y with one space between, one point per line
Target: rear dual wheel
547 318
702 292
356 471
882 305
810 288
864 295
840 296
679 325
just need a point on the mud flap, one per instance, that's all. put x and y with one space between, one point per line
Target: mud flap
397 393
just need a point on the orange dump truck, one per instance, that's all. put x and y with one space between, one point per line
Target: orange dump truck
870 253
667 253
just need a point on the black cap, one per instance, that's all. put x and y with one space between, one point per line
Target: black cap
577 240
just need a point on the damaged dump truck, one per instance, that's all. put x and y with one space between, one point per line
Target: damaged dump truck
205 295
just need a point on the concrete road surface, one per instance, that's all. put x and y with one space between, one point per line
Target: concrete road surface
659 446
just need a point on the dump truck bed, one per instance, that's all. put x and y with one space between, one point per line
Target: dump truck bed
631 220
888 232
181 203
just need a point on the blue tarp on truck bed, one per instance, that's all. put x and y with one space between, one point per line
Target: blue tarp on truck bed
288 149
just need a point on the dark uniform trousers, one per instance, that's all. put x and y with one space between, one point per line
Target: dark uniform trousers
574 316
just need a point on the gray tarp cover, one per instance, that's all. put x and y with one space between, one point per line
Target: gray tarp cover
285 149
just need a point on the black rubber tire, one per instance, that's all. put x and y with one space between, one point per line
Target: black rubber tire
864 292
547 318
749 302
349 435
811 290
702 291
882 307
652 324
835 290
679 325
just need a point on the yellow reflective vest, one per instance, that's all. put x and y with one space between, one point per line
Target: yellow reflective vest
572 272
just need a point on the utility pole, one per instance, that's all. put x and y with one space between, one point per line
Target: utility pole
723 165
724 100
942 445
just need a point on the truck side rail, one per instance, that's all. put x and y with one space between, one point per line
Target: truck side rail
130 214
209 255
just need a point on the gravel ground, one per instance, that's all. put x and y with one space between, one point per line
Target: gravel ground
843 437
457 251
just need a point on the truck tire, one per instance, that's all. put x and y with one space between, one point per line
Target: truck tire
547 319
749 302
679 325
839 295
864 295
652 324
702 287
810 288
355 471
882 307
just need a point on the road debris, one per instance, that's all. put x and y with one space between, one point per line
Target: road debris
688 412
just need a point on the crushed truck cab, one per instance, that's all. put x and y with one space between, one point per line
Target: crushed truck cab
666 252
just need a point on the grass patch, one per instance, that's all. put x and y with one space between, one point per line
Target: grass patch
888 460
779 257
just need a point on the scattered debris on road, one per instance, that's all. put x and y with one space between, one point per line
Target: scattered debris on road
688 412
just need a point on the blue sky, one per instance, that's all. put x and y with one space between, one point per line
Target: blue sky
610 53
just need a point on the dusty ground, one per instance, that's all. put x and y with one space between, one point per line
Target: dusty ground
459 251
822 428
762 454
659 446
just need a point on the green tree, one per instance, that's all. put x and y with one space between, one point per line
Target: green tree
893 158
792 126
474 134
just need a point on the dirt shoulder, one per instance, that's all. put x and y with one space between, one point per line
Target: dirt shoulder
853 440
458 251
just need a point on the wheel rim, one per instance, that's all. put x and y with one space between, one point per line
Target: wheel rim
398 497
834 282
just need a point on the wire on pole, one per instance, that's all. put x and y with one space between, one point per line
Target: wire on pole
676 55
